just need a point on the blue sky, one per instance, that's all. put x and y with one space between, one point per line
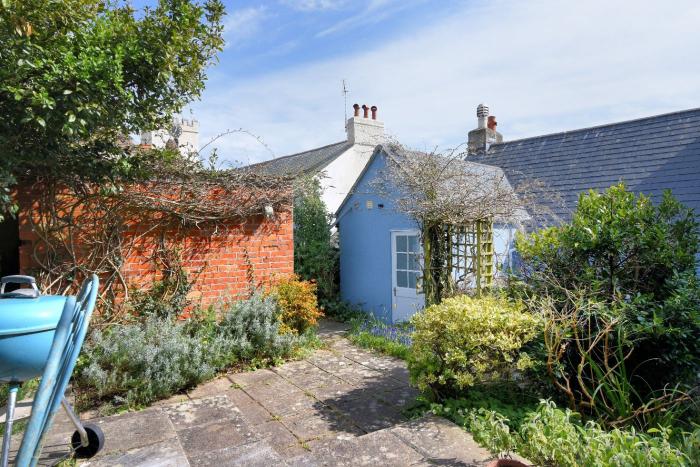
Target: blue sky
541 65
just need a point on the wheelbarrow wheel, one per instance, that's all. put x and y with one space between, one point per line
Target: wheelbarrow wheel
96 441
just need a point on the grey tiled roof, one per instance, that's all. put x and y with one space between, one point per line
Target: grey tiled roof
649 154
303 162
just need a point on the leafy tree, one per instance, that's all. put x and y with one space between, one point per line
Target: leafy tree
76 76
315 258
621 301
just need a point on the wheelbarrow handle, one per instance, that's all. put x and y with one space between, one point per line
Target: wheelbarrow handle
19 280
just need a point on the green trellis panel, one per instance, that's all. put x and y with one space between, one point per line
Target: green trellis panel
470 253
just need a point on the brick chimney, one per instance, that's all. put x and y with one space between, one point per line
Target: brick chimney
485 134
365 129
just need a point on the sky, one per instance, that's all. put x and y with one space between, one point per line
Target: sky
542 66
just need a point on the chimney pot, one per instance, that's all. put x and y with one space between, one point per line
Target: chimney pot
365 111
491 124
357 109
374 112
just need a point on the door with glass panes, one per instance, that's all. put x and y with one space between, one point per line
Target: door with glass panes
406 273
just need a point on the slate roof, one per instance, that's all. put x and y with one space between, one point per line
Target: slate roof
493 176
649 154
303 162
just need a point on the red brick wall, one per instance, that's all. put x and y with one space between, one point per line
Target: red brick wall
216 259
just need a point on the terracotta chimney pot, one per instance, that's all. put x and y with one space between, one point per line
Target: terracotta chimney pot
365 111
491 123
374 112
357 109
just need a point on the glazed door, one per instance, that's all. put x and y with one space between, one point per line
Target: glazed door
405 273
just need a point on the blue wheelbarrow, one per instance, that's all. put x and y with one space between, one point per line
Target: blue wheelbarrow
41 336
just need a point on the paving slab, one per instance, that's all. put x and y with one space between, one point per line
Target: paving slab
135 430
290 404
380 448
202 411
323 422
167 453
256 454
244 380
279 437
216 387
250 409
368 413
441 441
341 406
201 439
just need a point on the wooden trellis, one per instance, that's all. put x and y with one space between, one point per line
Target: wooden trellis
470 260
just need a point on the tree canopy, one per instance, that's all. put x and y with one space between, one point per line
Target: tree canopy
78 76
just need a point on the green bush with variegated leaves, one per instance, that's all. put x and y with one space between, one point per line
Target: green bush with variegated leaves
464 341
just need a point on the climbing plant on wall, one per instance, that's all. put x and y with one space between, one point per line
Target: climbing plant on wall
454 202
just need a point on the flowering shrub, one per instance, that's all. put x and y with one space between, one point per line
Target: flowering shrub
299 305
467 340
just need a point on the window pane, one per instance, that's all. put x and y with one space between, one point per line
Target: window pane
413 243
401 261
413 262
401 279
401 243
412 276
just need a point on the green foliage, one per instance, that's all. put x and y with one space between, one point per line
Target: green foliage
548 436
621 300
511 401
464 341
135 364
250 331
315 258
343 311
78 75
386 339
618 244
299 305
168 298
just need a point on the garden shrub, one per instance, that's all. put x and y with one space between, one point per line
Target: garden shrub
551 436
626 268
465 340
315 257
251 330
297 300
135 364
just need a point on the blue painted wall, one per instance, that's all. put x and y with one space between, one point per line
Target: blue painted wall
365 244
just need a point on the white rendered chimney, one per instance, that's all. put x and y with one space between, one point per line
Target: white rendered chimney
183 134
482 114
364 129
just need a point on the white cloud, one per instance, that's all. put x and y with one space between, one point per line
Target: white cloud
541 66
242 25
375 12
314 5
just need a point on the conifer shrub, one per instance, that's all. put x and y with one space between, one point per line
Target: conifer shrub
464 341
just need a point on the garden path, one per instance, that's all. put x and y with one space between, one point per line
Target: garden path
340 406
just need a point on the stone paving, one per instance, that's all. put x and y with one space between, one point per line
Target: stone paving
342 406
